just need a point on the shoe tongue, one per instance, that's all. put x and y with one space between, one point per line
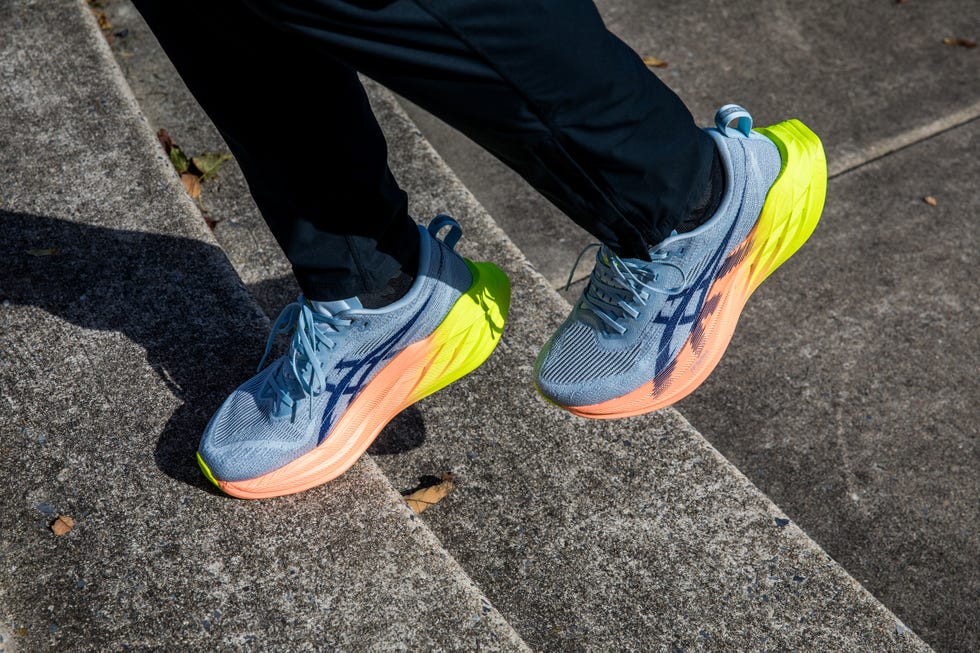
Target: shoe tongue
331 308
604 256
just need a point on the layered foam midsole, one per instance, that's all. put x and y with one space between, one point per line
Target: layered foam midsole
463 340
790 214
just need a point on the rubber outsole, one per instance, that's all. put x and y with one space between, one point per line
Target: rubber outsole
462 342
789 215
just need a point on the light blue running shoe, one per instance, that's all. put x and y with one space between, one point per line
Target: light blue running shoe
307 417
645 334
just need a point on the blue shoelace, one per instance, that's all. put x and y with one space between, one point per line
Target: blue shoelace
619 288
311 333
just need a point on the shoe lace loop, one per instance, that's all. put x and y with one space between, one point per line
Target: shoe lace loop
312 332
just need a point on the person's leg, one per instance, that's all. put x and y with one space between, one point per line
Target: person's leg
600 136
547 89
299 124
543 86
587 124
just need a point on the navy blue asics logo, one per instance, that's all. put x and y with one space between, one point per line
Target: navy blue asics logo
700 289
354 374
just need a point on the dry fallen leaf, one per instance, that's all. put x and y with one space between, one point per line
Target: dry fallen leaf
653 62
166 140
430 496
42 252
209 162
192 183
966 43
62 525
102 19
179 160
194 170
930 200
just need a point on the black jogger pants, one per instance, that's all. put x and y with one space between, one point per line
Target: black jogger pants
539 83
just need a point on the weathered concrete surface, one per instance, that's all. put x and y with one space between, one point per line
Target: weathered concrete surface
601 535
870 78
115 348
851 393
588 539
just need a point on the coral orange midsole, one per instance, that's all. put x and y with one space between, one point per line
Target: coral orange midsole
789 215
463 340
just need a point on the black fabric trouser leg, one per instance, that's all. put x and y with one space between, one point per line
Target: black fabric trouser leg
300 126
541 84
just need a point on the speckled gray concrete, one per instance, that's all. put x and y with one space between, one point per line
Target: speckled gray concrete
851 395
601 535
704 581
867 77
114 351
871 80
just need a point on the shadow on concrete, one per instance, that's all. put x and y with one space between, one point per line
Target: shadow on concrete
404 433
272 294
172 296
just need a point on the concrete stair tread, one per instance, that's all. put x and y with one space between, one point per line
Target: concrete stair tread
632 533
583 533
849 393
115 350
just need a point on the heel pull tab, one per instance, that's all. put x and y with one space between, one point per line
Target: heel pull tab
442 221
733 113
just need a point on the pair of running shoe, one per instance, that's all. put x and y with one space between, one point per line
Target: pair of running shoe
643 334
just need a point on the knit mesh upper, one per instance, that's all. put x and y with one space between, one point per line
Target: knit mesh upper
587 360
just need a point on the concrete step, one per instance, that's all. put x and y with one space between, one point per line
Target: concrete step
635 533
834 398
597 535
122 326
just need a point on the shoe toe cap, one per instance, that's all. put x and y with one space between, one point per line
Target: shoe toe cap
573 370
242 442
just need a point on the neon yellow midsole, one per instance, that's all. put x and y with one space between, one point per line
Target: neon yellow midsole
482 308
795 201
